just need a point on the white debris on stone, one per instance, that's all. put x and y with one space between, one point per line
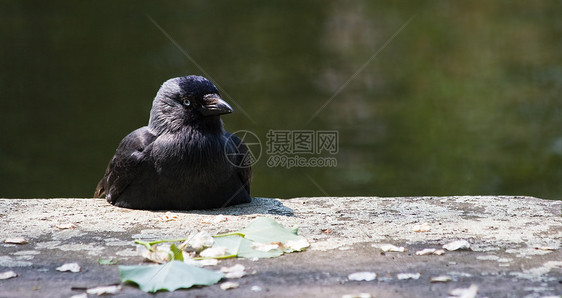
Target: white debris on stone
168 216
110 290
440 278
70 267
296 245
229 285
236 271
16 240
201 263
430 251
390 248
457 245
200 240
214 252
469 292
402 276
255 288
358 295
65 226
362 276
423 227
215 219
7 275
265 246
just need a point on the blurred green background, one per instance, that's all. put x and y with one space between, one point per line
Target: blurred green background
466 99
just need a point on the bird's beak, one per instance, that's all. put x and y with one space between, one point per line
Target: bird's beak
214 105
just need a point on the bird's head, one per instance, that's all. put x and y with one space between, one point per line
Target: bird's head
191 101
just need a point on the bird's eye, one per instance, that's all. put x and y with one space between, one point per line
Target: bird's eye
186 102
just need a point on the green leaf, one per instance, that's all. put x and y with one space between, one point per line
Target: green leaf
242 247
177 254
267 230
170 276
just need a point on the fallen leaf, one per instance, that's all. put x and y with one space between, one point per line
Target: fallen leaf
7 275
70 267
113 289
170 276
457 245
362 276
16 240
440 278
402 276
229 285
243 248
267 230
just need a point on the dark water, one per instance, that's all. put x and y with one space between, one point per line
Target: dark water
426 98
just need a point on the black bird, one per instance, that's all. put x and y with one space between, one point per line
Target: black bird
183 159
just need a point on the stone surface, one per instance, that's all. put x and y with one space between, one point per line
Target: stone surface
515 246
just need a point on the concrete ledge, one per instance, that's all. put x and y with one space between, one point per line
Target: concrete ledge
515 245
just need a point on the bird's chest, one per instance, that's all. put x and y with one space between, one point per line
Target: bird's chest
188 156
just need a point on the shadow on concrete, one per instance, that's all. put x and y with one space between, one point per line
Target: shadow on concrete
257 206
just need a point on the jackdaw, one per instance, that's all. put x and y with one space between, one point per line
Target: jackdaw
183 159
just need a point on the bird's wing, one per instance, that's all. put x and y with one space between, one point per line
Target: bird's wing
242 158
126 164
